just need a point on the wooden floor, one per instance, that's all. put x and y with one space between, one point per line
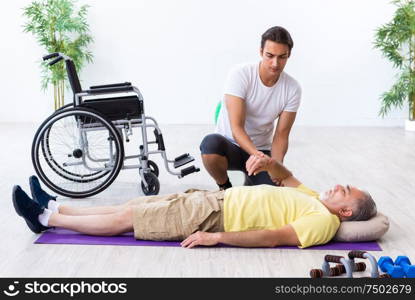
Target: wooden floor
381 160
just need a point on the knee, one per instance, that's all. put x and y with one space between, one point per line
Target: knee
129 203
124 219
212 144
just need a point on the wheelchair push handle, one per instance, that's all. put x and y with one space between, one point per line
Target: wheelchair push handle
56 60
51 55
59 57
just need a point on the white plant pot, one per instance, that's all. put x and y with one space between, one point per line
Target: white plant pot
409 125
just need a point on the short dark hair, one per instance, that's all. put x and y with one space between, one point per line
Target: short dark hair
366 209
279 35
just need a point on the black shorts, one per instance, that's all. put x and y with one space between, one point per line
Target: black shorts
217 144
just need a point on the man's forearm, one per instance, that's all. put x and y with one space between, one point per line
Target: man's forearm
277 170
256 238
279 148
244 141
285 235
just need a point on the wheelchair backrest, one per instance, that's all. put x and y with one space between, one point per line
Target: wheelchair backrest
73 76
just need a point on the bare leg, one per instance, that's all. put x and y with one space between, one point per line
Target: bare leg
217 166
85 211
106 225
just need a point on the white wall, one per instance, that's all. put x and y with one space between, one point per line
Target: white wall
179 52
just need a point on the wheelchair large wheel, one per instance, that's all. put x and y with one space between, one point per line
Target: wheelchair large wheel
77 152
61 170
68 105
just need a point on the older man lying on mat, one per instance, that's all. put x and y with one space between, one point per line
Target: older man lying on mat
246 216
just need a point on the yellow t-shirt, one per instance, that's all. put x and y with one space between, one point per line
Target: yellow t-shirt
269 207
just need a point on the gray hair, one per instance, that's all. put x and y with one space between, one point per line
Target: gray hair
366 208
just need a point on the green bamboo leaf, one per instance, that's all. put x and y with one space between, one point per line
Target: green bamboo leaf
59 26
396 41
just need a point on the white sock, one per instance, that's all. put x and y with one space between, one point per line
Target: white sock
53 206
44 217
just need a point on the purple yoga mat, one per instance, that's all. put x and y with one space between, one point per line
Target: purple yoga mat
63 236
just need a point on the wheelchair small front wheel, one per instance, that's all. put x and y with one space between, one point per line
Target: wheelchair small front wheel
153 167
153 184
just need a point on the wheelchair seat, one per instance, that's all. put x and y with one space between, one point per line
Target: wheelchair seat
116 108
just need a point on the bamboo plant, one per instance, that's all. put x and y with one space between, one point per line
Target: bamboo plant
59 27
396 40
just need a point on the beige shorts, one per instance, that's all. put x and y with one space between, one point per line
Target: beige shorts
176 216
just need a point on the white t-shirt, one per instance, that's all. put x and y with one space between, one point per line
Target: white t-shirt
263 104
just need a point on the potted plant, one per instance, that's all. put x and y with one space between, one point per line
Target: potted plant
396 40
59 27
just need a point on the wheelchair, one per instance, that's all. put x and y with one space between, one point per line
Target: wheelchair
78 151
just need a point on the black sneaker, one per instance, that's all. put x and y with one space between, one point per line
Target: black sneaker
39 195
28 209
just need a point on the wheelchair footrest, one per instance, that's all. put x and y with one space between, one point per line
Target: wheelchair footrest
182 160
189 170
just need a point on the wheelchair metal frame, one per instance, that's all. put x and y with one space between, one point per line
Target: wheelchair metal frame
138 123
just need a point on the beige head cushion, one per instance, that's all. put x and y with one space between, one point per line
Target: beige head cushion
361 231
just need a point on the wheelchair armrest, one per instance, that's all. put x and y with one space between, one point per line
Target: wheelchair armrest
110 85
109 90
